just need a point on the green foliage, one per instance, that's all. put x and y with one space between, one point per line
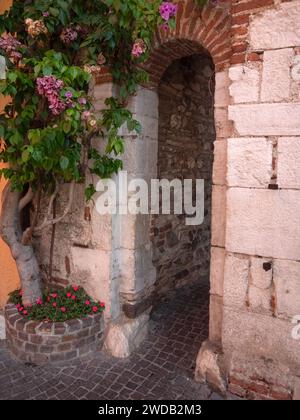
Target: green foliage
41 148
58 305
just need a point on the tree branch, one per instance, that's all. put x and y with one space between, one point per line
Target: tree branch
28 197
50 222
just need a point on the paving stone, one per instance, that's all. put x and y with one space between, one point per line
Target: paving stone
162 368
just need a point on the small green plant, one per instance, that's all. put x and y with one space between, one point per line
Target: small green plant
58 306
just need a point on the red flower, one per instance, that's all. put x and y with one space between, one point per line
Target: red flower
39 301
87 302
63 309
18 306
73 297
25 312
48 299
21 293
102 304
21 308
54 304
69 294
54 295
95 308
75 288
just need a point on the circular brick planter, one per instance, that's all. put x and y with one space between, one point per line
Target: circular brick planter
39 342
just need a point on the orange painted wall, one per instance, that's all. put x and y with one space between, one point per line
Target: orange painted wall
9 279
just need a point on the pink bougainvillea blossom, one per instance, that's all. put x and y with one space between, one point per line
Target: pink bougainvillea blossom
63 309
87 302
167 10
139 47
11 47
39 301
50 87
68 35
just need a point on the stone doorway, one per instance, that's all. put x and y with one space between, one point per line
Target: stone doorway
186 133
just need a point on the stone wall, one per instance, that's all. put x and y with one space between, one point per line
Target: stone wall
261 290
185 151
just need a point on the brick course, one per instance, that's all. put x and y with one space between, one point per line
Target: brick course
41 342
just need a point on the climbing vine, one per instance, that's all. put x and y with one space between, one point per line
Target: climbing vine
50 132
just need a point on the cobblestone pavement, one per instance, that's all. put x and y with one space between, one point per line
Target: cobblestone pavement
162 368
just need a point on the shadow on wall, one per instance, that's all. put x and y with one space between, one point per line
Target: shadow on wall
9 279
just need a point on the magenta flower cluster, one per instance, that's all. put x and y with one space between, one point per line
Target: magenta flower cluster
68 35
11 46
50 87
167 10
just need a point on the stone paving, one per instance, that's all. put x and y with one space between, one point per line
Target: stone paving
162 368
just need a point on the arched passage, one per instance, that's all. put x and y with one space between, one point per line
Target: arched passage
186 133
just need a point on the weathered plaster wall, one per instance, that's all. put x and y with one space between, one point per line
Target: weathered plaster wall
9 279
185 151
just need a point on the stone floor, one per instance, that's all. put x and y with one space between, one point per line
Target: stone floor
162 368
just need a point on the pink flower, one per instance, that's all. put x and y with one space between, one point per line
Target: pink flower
39 301
25 312
82 101
63 309
102 304
21 309
18 306
68 35
95 309
48 299
75 288
69 294
139 47
87 302
73 297
167 10
54 295
21 293
54 304
86 115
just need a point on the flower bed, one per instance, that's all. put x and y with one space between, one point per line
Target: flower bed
65 325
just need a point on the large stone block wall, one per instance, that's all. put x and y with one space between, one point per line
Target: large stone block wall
261 292
186 134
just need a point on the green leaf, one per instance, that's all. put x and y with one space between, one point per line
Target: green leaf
64 163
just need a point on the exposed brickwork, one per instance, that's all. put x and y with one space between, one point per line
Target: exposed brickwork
257 389
41 342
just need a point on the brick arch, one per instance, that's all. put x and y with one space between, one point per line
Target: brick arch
205 30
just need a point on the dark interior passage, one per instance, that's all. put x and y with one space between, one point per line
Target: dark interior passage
185 151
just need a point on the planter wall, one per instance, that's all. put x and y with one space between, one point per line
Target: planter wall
39 342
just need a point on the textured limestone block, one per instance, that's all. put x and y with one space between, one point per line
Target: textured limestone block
259 300
276 28
276 78
101 93
261 273
144 103
2 327
222 123
220 162
215 318
222 97
209 366
296 396
218 215
280 119
287 288
125 335
245 84
217 264
91 269
254 334
249 162
288 170
236 278
263 222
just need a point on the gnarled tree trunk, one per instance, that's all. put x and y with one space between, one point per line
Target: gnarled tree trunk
11 232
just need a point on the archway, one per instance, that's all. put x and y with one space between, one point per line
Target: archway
186 133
